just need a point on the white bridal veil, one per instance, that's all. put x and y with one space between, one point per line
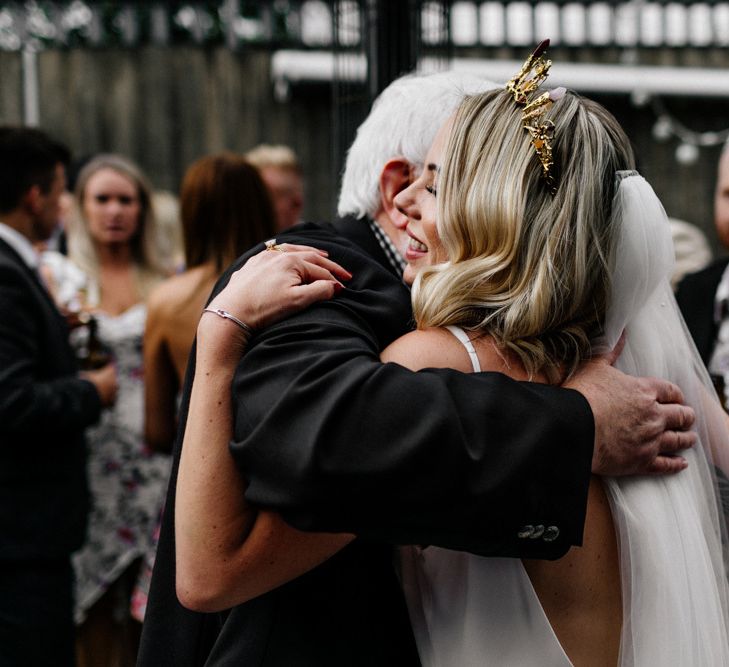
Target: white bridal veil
670 529
471 611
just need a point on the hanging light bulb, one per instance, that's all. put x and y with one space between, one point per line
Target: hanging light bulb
640 98
663 129
710 139
687 154
281 90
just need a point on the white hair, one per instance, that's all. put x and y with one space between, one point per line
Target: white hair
403 122
273 155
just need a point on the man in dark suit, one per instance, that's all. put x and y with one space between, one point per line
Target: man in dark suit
696 296
704 296
336 441
44 407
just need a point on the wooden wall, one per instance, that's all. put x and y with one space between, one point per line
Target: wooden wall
164 107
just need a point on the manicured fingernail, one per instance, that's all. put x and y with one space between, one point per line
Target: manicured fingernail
338 287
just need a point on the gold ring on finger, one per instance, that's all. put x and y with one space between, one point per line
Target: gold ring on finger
272 245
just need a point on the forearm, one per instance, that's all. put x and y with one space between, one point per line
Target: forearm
226 552
272 554
212 518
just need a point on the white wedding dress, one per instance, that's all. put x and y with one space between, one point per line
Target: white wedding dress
470 611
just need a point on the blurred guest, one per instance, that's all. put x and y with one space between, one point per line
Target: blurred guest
704 296
45 405
169 230
57 239
225 209
113 241
67 210
281 172
691 250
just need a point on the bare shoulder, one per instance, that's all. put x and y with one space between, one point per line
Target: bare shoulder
428 348
171 293
169 289
439 348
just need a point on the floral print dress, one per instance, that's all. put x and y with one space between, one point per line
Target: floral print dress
126 479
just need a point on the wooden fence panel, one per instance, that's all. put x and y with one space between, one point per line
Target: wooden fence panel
166 106
11 88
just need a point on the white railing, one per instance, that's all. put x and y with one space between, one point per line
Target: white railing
323 24
631 23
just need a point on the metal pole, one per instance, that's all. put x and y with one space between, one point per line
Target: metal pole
31 101
391 37
390 31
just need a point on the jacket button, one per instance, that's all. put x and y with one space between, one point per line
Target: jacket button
551 534
538 531
526 531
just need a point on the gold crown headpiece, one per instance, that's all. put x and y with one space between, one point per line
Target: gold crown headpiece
532 74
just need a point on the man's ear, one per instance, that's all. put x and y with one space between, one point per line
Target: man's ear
32 200
396 175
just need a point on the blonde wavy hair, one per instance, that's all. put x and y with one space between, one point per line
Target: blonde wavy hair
149 269
524 266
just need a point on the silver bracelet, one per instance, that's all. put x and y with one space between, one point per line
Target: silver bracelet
227 316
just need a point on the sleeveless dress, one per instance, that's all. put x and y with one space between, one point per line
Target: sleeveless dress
127 480
472 611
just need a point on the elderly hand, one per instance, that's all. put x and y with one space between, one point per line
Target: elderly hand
274 284
640 423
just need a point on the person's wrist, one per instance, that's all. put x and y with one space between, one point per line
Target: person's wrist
219 341
224 314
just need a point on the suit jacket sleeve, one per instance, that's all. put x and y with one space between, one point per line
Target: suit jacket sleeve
337 441
34 400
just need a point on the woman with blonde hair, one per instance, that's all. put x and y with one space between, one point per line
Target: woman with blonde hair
539 246
113 241
122 267
534 246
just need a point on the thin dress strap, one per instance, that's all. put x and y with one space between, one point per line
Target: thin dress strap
465 340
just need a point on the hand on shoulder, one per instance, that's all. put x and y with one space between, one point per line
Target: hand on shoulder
272 285
641 424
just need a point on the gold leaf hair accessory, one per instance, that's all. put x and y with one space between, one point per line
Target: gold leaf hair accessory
542 133
533 73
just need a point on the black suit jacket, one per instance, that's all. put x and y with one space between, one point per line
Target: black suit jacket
44 408
337 441
695 296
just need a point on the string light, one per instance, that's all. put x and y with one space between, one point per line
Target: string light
667 127
663 128
687 154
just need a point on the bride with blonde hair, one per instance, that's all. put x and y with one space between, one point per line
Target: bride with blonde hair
542 247
534 246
